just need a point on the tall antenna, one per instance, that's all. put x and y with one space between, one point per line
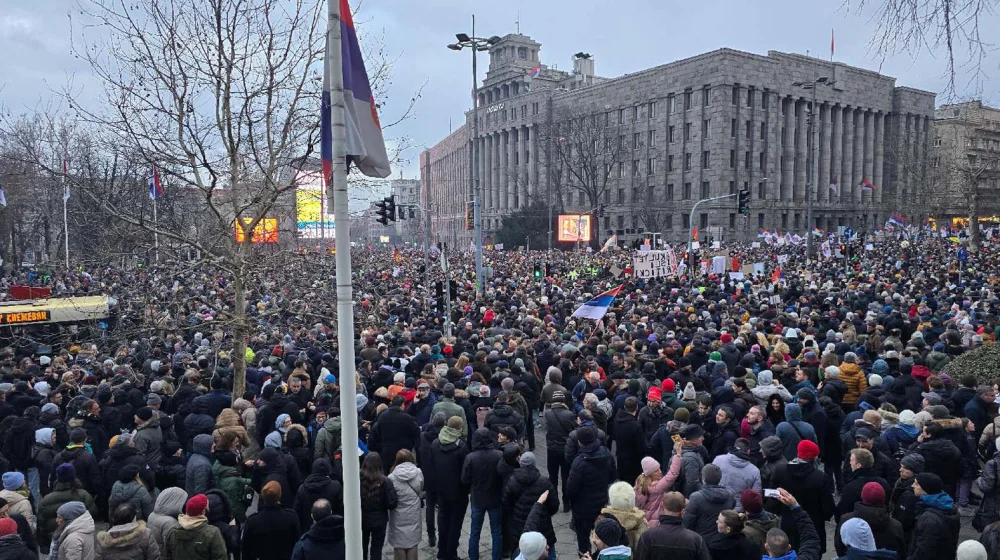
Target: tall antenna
517 21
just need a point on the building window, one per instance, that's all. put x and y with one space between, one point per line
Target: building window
763 100
607 222
635 222
762 191
784 221
686 221
621 116
763 130
668 221
621 169
670 104
706 96
750 97
760 221
937 142
687 161
621 196
522 53
732 187
621 142
706 158
579 198
651 167
651 112
636 141
534 108
706 126
635 168
746 160
651 191
732 128
703 221
705 189
670 134
687 191
936 162
798 221
621 222
669 195
651 139
687 100
687 132
732 158
670 163
736 94
763 161
749 130
732 220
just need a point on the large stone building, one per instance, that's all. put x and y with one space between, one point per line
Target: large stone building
639 150
409 224
965 173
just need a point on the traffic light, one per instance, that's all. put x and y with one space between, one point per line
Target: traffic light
390 202
538 271
402 212
600 211
453 286
743 201
547 270
382 211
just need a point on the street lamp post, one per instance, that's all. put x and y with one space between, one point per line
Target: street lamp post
811 158
476 44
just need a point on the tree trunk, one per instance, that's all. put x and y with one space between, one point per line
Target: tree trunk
240 333
974 236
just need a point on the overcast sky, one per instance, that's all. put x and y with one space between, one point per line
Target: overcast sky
623 36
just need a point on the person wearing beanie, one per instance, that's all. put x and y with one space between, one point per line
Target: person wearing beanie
935 532
129 489
148 438
271 533
653 483
971 550
772 458
757 520
527 495
560 422
11 543
622 507
448 406
609 540
194 537
532 546
76 533
169 504
900 437
887 532
446 460
808 487
590 474
767 386
16 493
655 413
65 489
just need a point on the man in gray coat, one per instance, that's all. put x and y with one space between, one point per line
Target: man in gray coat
198 474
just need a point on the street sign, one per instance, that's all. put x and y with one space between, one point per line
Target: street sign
848 232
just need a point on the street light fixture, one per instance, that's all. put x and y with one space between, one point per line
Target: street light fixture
476 44
810 158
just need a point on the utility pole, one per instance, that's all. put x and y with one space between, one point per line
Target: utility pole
690 243
811 158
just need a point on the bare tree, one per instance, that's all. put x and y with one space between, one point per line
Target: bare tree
589 151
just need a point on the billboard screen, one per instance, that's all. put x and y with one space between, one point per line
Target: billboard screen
266 231
574 227
309 210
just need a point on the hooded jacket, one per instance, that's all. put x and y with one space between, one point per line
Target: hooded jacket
756 527
592 471
323 541
479 471
229 422
328 439
77 539
447 458
87 470
134 493
169 504
148 440
856 382
812 489
793 430
318 485
231 484
48 507
131 541
194 538
704 506
935 535
198 477
633 520
404 529
520 495
887 531
504 415
738 474
19 504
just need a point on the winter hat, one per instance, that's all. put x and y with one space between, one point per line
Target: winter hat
655 394
42 388
649 465
832 371
196 505
7 527
771 446
875 380
281 420
914 462
972 550
715 356
752 501
507 384
532 545
807 450
930 482
726 338
71 510
682 414
856 533
609 531
145 413
585 435
65 473
689 393
50 408
153 399
13 480
128 473
78 435
528 459
872 494
908 417
621 495
124 439
668 386
360 402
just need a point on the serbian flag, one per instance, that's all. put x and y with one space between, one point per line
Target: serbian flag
817 232
598 306
534 71
365 145
866 184
776 275
155 188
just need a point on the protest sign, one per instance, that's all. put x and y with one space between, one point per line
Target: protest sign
654 264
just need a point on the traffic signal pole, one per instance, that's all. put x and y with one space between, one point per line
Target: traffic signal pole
691 228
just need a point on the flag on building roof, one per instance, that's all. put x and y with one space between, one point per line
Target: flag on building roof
155 189
534 71
866 184
365 145
598 306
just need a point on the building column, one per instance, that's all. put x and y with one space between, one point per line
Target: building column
494 171
836 151
522 165
787 149
823 156
879 157
847 158
533 164
859 156
509 169
869 170
799 176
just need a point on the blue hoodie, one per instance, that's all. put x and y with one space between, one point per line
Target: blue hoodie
941 501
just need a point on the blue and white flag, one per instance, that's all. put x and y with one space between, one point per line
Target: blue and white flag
598 306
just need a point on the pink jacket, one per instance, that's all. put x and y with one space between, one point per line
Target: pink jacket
651 503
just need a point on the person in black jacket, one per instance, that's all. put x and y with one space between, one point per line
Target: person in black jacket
902 501
83 462
427 438
378 496
447 457
729 542
318 485
810 489
630 441
271 533
480 473
393 430
861 464
941 456
669 539
727 432
220 514
271 467
592 471
935 535
560 421
525 491
325 540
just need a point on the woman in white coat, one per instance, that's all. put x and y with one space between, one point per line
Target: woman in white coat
405 522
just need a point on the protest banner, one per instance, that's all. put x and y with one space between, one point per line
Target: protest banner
654 264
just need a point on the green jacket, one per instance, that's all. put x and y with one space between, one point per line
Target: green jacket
47 508
194 539
231 484
328 439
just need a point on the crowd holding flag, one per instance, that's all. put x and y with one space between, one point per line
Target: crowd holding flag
598 306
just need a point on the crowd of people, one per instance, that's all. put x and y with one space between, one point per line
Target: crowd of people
707 417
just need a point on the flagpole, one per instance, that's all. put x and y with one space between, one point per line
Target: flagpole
345 308
156 235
